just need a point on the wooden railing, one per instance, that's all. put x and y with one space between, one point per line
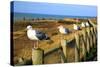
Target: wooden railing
83 41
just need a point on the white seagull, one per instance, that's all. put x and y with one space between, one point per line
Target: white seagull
33 34
63 30
76 27
87 24
83 24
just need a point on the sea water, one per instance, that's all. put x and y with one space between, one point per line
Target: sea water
21 16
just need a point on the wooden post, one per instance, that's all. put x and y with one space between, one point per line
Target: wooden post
83 48
96 33
77 51
63 59
63 44
84 34
85 39
88 44
77 55
88 39
92 38
37 56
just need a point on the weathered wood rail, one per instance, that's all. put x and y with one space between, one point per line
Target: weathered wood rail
83 41
80 45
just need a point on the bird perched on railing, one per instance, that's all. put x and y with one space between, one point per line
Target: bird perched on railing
87 24
76 27
33 34
63 30
83 24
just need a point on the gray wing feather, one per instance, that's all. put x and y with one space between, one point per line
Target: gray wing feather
40 35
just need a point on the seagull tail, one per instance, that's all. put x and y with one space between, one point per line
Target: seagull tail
47 38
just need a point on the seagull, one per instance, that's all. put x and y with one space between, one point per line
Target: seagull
87 24
83 24
33 34
76 27
63 30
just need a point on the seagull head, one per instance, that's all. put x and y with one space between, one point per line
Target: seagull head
76 27
74 24
87 24
29 27
60 27
83 24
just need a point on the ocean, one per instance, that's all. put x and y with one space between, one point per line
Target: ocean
21 16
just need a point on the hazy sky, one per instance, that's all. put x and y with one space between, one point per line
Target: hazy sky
55 9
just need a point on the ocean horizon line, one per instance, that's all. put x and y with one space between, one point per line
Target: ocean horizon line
20 16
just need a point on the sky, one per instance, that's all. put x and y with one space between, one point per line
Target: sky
54 9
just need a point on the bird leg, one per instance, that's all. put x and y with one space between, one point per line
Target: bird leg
35 45
61 36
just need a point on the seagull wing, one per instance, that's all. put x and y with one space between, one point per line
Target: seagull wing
41 36
66 30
